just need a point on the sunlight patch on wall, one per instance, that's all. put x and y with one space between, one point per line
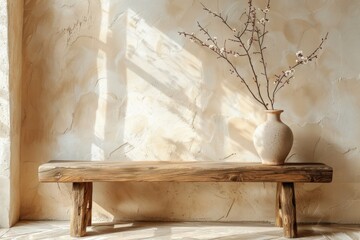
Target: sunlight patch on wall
164 86
102 84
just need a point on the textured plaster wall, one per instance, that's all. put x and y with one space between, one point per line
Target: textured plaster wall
11 13
112 80
16 9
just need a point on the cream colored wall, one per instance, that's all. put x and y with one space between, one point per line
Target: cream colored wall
16 9
11 13
112 80
5 121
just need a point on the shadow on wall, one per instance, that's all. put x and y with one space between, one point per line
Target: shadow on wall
168 118
115 82
182 100
103 83
60 97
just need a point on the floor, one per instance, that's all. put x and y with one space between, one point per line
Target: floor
187 230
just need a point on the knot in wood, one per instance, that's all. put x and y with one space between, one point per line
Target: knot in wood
235 178
58 175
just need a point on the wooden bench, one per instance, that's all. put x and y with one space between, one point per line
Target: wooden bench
83 173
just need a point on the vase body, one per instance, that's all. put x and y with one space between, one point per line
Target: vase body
273 139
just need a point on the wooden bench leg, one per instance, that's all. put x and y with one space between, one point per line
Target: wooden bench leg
278 213
89 205
288 209
81 209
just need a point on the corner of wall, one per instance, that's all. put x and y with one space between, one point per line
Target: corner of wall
15 28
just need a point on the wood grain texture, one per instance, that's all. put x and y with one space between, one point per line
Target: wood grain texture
81 211
88 199
278 213
288 209
161 171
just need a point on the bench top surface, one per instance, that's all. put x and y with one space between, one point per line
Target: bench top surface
176 171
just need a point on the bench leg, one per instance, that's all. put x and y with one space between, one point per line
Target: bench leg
288 209
89 205
81 209
278 213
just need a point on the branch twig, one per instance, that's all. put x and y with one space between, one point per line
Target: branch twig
244 39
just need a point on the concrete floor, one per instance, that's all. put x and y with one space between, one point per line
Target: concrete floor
183 230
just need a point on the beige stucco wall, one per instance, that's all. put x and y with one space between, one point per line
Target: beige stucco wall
112 80
11 13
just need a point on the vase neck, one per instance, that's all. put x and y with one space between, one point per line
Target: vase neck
273 115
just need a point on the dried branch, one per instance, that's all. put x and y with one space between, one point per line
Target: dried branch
300 61
254 30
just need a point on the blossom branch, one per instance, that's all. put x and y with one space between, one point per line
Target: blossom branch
265 11
263 63
218 15
253 30
314 53
255 77
222 53
251 20
299 61
261 38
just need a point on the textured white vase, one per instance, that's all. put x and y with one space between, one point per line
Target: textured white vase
273 139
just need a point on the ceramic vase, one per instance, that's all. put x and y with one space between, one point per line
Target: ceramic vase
273 139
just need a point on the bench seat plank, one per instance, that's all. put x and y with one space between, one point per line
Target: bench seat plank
162 171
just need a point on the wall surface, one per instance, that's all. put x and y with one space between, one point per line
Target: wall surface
16 9
113 80
5 121
11 23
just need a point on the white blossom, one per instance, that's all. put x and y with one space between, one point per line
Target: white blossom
234 29
262 21
301 58
305 60
222 50
299 54
211 47
287 73
236 55
266 10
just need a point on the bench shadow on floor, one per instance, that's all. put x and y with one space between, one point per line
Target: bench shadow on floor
177 230
195 231
189 230
110 227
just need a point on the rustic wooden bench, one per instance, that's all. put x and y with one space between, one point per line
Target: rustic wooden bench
83 173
